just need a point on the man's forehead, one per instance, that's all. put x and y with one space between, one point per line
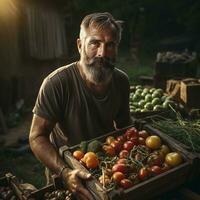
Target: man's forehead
107 31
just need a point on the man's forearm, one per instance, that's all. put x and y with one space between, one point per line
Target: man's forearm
46 153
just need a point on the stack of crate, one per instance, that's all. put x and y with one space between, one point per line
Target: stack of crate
172 65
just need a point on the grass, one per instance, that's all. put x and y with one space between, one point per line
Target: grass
23 165
134 71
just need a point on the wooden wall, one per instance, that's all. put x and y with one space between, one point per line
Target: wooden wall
21 74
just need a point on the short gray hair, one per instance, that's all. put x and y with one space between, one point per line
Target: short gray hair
101 20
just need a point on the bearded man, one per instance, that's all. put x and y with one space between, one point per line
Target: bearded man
82 100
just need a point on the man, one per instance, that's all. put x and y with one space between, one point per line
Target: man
83 100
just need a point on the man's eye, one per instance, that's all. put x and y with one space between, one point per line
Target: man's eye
94 43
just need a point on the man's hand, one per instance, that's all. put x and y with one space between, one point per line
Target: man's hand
72 179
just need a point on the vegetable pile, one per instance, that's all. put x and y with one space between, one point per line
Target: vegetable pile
7 193
186 132
127 159
149 99
58 195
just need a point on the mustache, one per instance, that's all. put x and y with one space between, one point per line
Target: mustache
103 61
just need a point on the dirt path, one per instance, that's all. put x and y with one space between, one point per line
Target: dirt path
11 139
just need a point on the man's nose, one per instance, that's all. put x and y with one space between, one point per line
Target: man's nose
101 51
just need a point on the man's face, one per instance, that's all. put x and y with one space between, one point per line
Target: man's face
98 52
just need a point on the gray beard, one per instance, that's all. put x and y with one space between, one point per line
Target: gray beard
98 75
98 70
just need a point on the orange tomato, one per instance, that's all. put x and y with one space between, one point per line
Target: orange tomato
109 150
92 162
78 154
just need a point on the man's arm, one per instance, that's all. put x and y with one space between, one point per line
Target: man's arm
46 153
41 146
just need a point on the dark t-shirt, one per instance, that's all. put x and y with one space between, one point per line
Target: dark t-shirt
65 99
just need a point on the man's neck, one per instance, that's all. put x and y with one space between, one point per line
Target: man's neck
99 90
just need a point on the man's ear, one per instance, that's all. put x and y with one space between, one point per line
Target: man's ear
79 44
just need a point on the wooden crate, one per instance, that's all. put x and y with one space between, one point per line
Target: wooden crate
144 190
12 182
143 115
190 93
40 193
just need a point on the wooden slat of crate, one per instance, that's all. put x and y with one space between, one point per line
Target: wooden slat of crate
39 194
159 184
12 182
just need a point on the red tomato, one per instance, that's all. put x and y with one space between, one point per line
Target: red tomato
154 159
131 132
122 161
121 138
138 156
118 176
120 168
155 170
134 140
141 141
126 183
143 134
116 145
128 145
123 154
143 173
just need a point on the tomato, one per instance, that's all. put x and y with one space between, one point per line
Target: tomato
141 141
173 159
118 176
78 154
126 183
155 170
108 172
92 162
109 150
154 159
121 138
153 142
134 140
165 167
104 180
110 139
143 173
122 160
117 145
89 154
143 134
123 154
138 156
120 168
164 149
131 133
128 145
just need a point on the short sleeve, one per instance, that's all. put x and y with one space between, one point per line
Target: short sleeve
48 102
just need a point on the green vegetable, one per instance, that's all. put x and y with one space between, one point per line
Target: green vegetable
94 146
184 131
83 146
